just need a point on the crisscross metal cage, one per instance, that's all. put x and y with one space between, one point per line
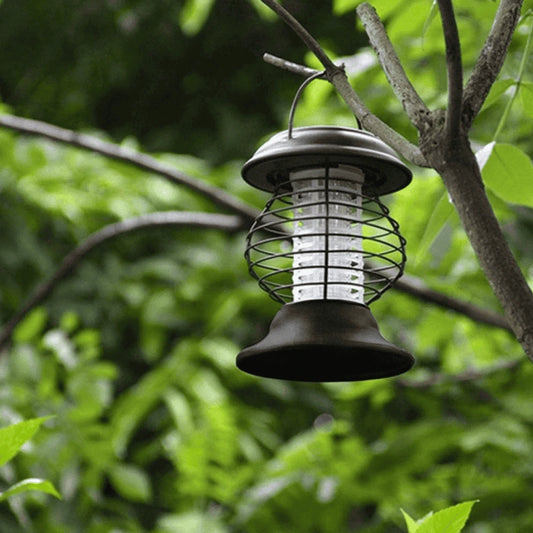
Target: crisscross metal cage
321 237
326 246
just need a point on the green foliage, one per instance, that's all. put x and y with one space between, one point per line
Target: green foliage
450 520
29 484
508 172
153 429
12 438
194 14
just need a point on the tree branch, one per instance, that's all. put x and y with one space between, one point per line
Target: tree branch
408 285
460 173
455 69
337 76
456 164
174 219
304 35
414 106
473 374
372 123
491 59
417 288
127 155
295 68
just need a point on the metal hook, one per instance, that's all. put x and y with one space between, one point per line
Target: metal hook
316 76
299 92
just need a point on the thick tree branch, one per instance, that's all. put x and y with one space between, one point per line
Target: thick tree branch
454 67
372 123
173 219
414 106
127 155
454 160
460 172
491 59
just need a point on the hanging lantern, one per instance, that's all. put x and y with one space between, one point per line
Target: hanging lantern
325 247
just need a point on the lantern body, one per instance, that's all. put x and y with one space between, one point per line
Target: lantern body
325 246
326 236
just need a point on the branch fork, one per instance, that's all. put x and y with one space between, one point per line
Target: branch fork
444 143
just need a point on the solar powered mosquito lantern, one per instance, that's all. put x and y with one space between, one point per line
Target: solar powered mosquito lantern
325 247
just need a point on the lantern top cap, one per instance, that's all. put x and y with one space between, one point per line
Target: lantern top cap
319 146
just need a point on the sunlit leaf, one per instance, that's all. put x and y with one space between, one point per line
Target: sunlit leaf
32 326
412 526
264 11
440 215
526 96
343 6
194 14
508 172
193 521
449 520
431 16
13 437
40 485
498 89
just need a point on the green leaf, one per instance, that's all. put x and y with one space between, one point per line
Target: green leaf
431 16
12 438
69 322
134 404
131 482
508 172
194 14
526 96
449 520
340 7
497 91
412 526
264 11
32 326
440 214
192 521
41 485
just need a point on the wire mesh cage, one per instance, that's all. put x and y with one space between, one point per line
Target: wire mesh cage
323 237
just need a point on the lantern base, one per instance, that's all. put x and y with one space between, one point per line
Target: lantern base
324 340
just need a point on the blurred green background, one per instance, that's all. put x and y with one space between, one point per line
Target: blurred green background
154 428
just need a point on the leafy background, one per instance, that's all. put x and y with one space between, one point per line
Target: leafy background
153 429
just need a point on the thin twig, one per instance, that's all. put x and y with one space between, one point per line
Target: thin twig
526 55
372 123
455 69
295 68
473 374
368 120
127 155
406 284
491 59
417 288
174 219
337 76
304 35
414 106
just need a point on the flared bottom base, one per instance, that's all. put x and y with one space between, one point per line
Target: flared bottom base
323 340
